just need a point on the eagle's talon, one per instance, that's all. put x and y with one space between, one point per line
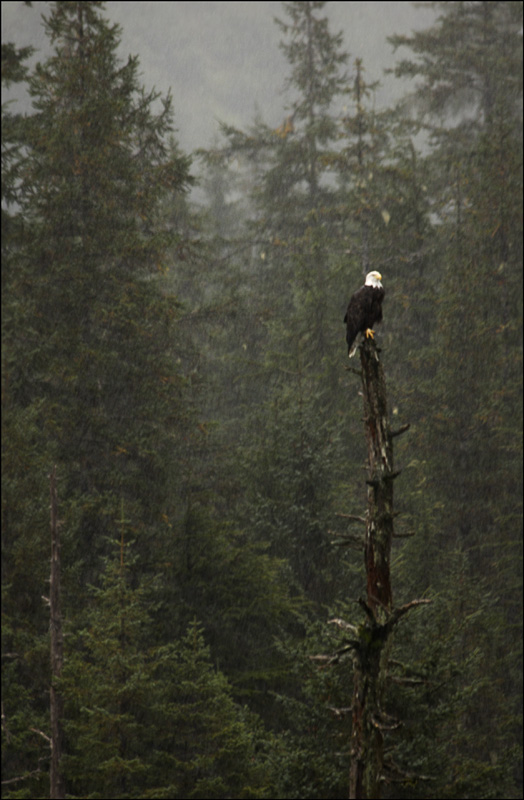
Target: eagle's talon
370 334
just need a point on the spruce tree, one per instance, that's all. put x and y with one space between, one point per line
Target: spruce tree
25 500
151 720
288 290
469 97
95 360
90 380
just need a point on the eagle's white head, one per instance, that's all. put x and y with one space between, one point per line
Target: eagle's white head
373 279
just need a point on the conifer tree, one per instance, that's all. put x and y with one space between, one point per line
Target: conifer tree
288 286
89 375
469 97
146 720
25 501
291 167
94 363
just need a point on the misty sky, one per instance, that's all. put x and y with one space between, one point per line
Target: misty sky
222 60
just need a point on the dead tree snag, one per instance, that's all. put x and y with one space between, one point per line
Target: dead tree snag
370 722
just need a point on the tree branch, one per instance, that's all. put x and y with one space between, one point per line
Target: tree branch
401 430
345 626
352 517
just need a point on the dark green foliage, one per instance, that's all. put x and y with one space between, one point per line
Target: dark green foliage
238 589
311 755
94 364
184 368
151 721
89 380
294 462
470 469
292 434
25 555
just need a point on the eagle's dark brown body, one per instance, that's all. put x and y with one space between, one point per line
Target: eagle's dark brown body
364 311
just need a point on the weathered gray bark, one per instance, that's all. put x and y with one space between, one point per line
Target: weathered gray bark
379 523
366 748
369 720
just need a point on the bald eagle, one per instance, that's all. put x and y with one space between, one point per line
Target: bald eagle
364 310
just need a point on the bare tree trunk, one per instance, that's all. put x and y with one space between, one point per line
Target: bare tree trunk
366 748
379 523
369 720
370 641
57 788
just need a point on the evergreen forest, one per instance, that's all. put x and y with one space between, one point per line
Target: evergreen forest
174 351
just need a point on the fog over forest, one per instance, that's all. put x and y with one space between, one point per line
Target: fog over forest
222 60
262 400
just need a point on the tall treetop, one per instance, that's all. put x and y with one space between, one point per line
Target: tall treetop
314 55
471 58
